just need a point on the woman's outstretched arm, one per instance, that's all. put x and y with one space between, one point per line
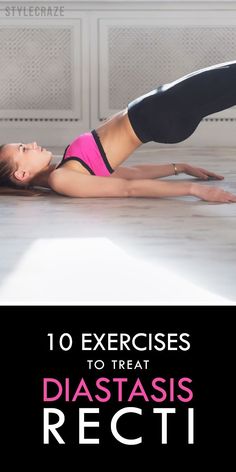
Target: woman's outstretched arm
74 184
149 171
157 189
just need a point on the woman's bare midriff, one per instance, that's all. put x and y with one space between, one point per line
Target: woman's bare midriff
118 138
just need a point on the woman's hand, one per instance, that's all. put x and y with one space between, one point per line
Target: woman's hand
199 172
212 194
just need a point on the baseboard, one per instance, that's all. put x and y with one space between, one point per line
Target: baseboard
209 133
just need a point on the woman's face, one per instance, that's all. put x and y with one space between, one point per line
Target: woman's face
28 159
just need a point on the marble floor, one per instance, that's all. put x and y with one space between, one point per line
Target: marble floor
182 251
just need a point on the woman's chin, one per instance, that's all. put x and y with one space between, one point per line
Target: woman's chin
49 156
49 153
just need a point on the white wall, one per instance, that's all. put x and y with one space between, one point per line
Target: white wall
63 71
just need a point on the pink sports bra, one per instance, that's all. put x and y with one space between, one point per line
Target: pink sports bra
87 149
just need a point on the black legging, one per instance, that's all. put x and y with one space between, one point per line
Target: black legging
171 113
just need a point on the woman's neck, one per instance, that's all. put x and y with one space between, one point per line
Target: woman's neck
41 179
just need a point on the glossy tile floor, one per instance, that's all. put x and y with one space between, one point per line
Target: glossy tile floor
61 251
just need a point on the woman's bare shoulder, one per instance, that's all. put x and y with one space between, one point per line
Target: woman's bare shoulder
72 183
75 184
61 177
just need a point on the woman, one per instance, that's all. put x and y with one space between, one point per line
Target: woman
91 164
